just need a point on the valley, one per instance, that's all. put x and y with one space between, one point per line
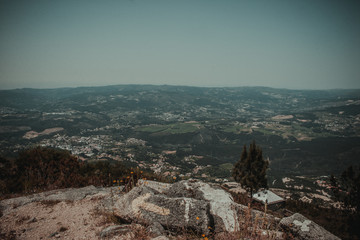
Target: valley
191 132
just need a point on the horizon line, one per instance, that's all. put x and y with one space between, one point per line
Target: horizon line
170 85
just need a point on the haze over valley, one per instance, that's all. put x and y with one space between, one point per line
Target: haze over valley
193 132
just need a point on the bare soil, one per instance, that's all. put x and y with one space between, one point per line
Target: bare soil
81 219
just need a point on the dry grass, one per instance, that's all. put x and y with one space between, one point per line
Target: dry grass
254 227
140 232
259 226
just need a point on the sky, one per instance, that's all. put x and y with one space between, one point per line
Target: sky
294 44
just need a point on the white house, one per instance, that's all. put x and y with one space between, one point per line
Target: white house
266 196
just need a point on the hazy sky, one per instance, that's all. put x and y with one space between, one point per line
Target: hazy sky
307 44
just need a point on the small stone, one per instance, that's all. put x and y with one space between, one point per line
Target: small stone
32 220
53 234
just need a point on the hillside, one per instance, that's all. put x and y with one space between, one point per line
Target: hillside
189 131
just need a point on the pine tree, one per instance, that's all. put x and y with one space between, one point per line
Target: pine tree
350 184
250 170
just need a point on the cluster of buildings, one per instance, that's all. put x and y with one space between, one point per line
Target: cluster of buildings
103 147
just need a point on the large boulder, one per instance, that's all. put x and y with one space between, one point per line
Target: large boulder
158 211
223 210
302 228
190 205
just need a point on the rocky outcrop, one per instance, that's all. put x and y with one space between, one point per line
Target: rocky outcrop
304 229
161 209
145 205
201 207
190 205
223 211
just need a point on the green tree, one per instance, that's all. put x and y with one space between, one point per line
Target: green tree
6 175
250 170
347 188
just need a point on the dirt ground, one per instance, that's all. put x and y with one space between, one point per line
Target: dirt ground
80 219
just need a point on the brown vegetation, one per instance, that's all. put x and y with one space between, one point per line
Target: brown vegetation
41 169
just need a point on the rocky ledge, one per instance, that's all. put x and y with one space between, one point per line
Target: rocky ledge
151 210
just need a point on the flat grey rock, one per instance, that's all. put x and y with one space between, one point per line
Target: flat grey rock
145 205
303 228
